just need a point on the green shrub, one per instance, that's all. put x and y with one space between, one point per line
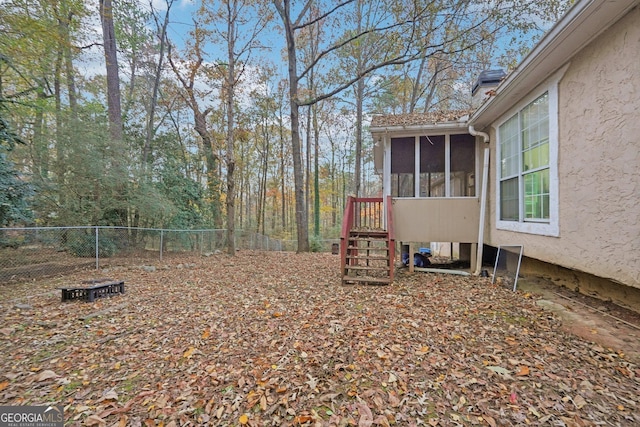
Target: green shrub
315 244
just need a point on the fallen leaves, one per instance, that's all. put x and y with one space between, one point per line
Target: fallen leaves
275 339
189 353
46 375
94 420
499 370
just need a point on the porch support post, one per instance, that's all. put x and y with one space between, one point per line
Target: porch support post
416 167
386 166
447 165
474 257
411 262
386 175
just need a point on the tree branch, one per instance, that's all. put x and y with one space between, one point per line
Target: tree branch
298 26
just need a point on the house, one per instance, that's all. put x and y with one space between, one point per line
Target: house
550 161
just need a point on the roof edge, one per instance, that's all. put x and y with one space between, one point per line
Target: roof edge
580 25
462 124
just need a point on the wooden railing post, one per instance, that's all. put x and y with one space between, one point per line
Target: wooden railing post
391 236
347 223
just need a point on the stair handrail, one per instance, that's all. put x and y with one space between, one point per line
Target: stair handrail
347 222
391 237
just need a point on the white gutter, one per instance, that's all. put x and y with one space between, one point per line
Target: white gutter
483 197
413 129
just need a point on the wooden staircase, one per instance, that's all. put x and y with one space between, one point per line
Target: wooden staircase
367 245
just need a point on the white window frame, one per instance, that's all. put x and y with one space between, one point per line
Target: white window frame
552 227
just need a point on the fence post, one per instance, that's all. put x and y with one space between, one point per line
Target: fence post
161 243
97 250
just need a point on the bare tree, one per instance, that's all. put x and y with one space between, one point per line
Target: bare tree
396 28
187 72
230 24
162 38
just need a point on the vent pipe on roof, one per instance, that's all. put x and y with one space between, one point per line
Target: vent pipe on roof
485 86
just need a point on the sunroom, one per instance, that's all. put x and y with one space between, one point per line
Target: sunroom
430 164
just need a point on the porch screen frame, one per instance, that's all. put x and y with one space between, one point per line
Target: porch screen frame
403 158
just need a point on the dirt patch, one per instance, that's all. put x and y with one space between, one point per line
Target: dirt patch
592 319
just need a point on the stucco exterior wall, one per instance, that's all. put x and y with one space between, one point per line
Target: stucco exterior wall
599 162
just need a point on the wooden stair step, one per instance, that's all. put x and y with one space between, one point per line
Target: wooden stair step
372 248
380 238
366 279
369 258
368 232
368 267
367 250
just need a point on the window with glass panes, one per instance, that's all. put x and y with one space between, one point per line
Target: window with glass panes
524 163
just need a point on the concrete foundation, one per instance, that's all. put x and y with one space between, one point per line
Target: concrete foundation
598 287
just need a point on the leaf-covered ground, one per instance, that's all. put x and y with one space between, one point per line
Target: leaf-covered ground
274 339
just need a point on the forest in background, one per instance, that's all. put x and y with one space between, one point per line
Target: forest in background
232 114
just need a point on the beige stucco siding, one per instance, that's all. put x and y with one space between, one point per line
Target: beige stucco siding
599 162
438 219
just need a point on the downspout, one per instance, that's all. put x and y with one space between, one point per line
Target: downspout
483 197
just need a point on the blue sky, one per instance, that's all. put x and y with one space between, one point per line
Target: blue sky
181 22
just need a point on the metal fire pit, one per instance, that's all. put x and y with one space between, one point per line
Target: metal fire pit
93 289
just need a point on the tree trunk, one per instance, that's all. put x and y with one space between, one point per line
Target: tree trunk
263 179
302 225
307 163
68 62
283 191
359 107
114 107
113 79
230 158
241 196
316 173
40 149
154 94
61 142
334 189
211 158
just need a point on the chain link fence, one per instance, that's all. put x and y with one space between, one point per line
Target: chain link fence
27 253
